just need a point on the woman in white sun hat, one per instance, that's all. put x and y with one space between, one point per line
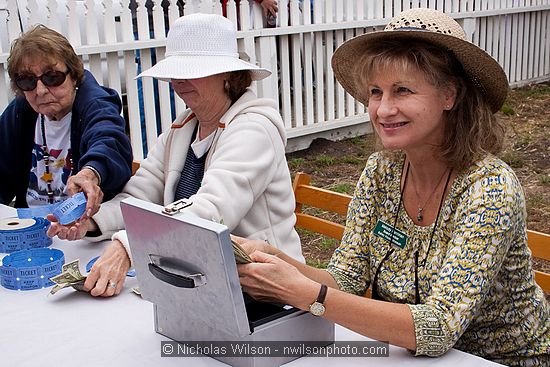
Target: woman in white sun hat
436 227
226 152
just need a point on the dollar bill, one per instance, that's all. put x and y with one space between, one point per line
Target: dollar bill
73 267
241 257
65 277
56 288
70 277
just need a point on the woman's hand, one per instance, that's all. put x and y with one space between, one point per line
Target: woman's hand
88 182
249 246
271 279
108 274
72 232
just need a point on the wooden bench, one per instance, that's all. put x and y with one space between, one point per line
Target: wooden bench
135 167
539 243
335 202
319 198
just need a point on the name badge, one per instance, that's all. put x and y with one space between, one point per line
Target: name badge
390 234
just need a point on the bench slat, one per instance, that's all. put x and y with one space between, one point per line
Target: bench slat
543 280
320 225
539 243
323 199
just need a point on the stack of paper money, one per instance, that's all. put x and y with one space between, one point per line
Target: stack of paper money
70 277
241 257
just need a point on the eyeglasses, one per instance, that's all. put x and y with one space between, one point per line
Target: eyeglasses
52 78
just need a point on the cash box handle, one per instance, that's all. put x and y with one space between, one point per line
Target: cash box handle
191 277
171 278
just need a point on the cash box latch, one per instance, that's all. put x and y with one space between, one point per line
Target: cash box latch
176 206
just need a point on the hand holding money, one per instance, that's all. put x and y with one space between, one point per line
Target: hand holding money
251 246
241 257
70 277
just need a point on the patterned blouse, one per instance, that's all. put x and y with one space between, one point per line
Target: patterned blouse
476 285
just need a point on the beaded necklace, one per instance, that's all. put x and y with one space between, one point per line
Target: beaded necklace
48 176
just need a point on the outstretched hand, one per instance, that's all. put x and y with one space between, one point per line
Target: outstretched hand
87 182
72 232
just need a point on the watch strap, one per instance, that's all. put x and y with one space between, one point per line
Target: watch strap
322 294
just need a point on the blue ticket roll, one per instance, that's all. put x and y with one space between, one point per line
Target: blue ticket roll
31 269
23 234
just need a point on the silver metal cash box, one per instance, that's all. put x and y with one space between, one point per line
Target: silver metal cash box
185 266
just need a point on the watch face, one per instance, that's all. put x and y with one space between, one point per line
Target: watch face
317 309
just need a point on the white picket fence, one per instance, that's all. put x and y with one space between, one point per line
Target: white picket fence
111 37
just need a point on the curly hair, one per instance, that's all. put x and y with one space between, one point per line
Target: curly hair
471 129
42 44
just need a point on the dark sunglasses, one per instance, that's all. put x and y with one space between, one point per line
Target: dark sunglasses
52 78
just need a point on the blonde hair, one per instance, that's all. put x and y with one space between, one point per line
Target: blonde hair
44 44
471 129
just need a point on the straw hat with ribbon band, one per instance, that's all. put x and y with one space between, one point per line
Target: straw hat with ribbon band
434 27
200 45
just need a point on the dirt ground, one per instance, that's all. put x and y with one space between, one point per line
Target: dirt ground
337 165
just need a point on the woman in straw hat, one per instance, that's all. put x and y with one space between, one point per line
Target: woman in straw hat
225 153
436 227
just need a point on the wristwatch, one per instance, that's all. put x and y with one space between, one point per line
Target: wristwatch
317 308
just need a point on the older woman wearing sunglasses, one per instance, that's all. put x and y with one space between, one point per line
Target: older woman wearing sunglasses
63 133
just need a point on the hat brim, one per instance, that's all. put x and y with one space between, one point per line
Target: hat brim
193 67
482 69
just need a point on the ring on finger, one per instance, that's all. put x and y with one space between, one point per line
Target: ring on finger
112 284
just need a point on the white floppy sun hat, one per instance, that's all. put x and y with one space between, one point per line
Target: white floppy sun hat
200 45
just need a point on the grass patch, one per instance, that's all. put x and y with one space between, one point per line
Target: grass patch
329 243
324 160
513 159
296 163
344 188
544 179
304 232
537 91
356 140
535 200
349 159
523 140
316 263
508 110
